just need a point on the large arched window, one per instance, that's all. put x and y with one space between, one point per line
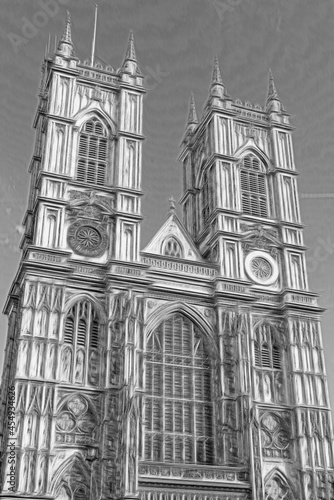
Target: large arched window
178 402
254 199
80 360
92 153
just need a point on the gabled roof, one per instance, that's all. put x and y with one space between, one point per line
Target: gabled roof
173 228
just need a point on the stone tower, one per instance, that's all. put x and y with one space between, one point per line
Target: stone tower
192 369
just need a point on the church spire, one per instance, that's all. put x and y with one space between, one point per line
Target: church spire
66 47
130 63
192 117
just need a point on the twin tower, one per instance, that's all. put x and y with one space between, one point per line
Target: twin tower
192 369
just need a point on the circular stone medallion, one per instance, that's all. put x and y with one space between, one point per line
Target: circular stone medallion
261 268
87 238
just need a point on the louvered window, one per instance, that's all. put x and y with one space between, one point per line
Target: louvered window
178 403
253 187
92 154
69 330
172 248
82 333
267 353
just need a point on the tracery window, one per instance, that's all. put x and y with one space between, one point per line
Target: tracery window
92 153
254 199
268 362
80 354
178 402
172 248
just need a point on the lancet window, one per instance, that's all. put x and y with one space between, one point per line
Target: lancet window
267 352
178 402
268 362
81 349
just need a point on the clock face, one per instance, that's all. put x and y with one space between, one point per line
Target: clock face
87 238
261 268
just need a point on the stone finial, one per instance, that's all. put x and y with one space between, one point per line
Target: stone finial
171 205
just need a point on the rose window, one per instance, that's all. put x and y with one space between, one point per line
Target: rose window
261 268
88 237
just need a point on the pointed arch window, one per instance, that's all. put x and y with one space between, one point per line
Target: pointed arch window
82 345
268 353
172 248
178 400
254 196
268 361
93 153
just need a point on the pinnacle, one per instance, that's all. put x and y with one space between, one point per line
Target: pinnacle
272 92
192 117
216 76
67 35
130 51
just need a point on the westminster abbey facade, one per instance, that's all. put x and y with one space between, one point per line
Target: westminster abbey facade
192 369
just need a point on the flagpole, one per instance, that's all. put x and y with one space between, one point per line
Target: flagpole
94 38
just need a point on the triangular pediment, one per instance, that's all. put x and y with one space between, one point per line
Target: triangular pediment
173 235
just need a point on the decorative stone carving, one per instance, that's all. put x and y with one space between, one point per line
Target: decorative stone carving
276 435
278 489
76 422
258 237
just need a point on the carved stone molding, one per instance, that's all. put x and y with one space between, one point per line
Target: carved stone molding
216 474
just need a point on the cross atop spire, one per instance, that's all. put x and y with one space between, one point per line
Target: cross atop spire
192 117
130 54
216 76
